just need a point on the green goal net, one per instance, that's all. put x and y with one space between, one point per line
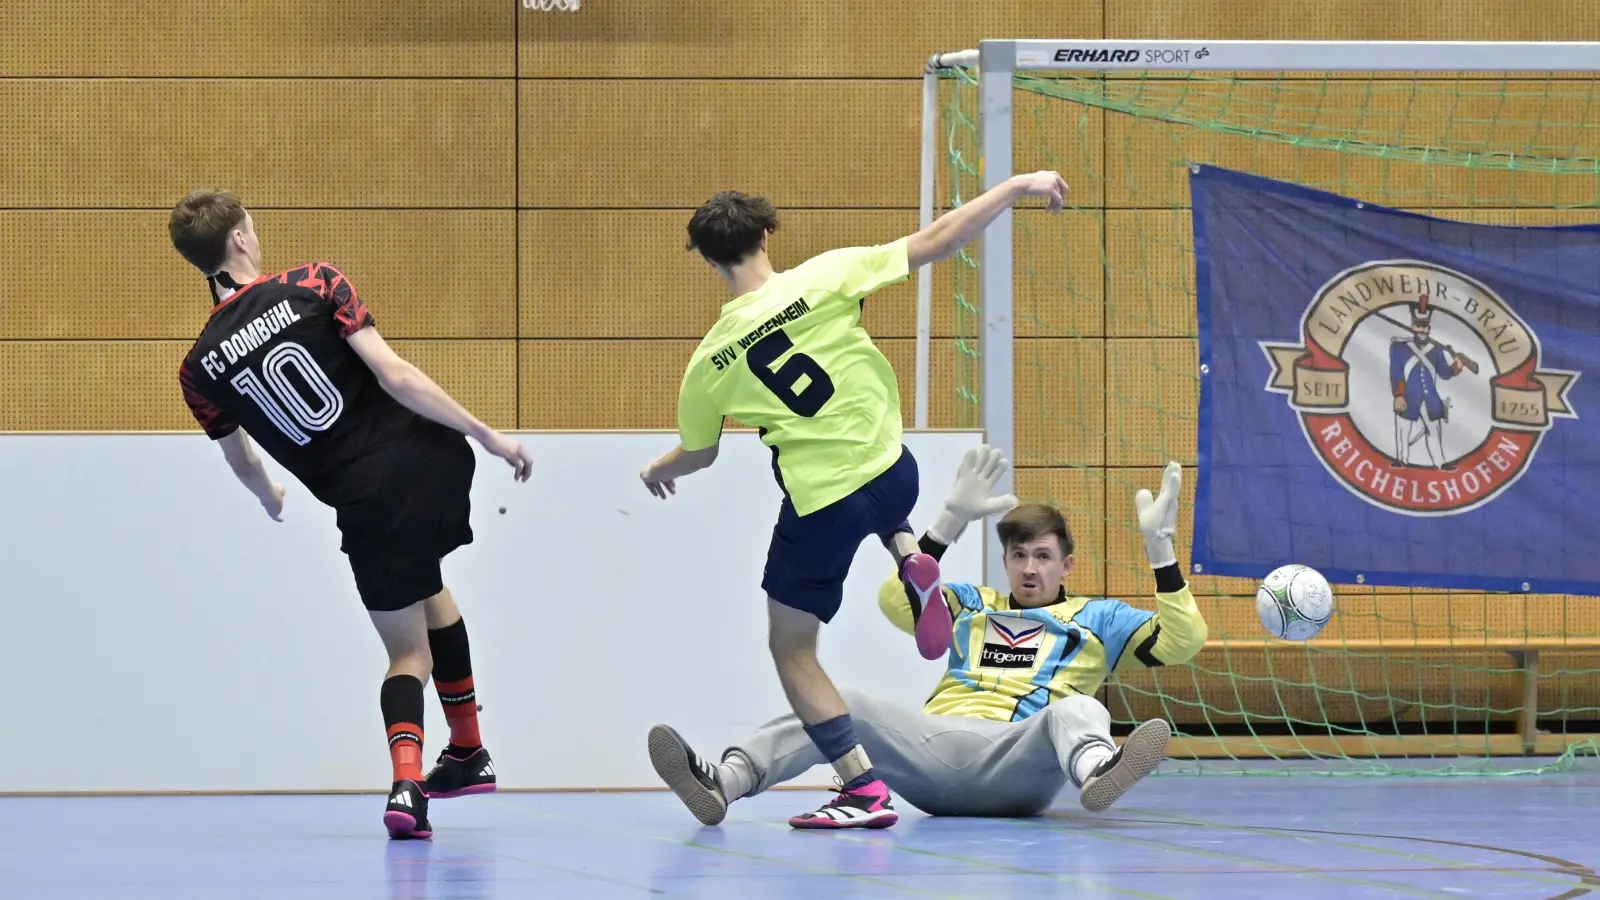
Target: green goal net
1106 388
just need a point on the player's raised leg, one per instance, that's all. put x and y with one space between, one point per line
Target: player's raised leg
405 637
464 766
919 571
969 499
863 799
920 574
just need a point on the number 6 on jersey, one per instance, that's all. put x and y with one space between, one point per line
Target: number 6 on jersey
809 400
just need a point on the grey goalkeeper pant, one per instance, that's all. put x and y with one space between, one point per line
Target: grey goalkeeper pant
947 765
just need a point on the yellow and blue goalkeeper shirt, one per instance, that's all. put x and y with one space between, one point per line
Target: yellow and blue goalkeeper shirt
1007 663
791 359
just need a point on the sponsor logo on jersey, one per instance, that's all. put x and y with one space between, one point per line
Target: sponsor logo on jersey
1419 388
1010 642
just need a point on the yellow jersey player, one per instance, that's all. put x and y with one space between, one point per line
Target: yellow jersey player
788 355
1014 719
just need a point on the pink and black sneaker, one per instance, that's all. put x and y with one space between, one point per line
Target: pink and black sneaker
866 806
460 772
929 610
406 815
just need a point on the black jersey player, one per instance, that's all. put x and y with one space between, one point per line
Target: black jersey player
294 361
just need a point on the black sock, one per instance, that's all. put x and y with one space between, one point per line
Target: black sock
400 698
452 678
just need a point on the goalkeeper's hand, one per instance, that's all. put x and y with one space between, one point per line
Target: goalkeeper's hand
1158 517
969 499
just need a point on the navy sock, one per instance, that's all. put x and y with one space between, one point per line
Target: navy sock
835 738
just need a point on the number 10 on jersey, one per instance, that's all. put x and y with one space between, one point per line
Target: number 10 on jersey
283 403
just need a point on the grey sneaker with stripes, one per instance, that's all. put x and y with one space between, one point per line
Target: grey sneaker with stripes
693 779
1138 756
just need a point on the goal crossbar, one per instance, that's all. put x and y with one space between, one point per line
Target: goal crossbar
996 61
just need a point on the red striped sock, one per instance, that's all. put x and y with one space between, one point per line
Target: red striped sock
401 700
460 703
405 751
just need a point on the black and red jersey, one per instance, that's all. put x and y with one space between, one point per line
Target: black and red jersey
273 360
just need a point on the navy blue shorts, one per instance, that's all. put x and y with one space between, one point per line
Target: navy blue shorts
811 555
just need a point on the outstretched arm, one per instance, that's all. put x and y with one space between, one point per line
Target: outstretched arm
699 436
412 387
414 390
247 467
963 225
1177 631
661 476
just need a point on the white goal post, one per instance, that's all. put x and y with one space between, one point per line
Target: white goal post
996 61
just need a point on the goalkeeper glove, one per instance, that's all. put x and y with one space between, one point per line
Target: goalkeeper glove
1158 518
969 499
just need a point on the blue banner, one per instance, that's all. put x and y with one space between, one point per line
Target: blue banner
1392 398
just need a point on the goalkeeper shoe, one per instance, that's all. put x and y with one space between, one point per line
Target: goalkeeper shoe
929 610
1138 756
866 806
460 772
406 816
693 779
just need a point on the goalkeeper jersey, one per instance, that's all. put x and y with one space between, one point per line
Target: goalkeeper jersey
791 359
1007 663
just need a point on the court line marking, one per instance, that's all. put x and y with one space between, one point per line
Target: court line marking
1085 879
1585 874
580 874
728 851
1253 862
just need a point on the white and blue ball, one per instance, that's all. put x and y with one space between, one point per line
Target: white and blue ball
1294 602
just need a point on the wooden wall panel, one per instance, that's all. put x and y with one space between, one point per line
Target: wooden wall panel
92 386
105 143
598 384
1058 277
1152 393
1405 618
779 38
658 143
1053 134
481 375
1080 495
1060 388
287 38
576 284
424 273
133 385
1351 20
1150 267
591 384
1145 156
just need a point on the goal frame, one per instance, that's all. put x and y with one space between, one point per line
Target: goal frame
997 61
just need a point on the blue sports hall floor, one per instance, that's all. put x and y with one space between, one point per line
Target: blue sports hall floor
1172 837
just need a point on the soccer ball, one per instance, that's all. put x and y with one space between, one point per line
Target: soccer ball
1294 602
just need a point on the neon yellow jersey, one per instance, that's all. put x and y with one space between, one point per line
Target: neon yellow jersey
791 359
1007 663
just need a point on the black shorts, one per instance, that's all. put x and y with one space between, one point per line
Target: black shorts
810 556
414 510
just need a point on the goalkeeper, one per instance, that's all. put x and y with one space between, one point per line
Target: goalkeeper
1014 718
